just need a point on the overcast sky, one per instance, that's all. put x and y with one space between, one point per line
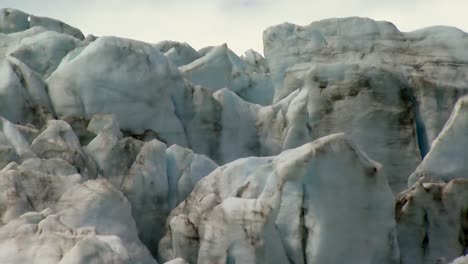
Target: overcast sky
239 23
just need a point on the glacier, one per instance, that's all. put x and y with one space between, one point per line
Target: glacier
346 142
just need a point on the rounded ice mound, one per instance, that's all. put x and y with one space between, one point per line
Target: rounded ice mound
12 20
128 78
43 52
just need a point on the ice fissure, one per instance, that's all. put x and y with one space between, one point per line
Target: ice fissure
421 133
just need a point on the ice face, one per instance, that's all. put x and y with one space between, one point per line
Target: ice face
115 150
252 210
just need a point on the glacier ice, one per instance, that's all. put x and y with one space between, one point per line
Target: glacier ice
222 68
118 151
113 66
44 52
433 60
178 53
92 222
13 146
432 221
447 159
23 94
12 20
231 216
213 70
460 260
59 140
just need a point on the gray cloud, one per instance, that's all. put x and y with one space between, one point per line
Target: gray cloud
246 5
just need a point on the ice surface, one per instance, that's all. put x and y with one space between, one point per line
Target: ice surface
231 214
178 53
432 221
108 77
433 60
221 68
447 159
23 94
12 20
13 146
91 223
59 141
43 52
109 147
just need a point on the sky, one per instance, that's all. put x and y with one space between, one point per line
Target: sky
239 23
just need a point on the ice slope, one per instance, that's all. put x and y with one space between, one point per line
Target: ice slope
448 157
